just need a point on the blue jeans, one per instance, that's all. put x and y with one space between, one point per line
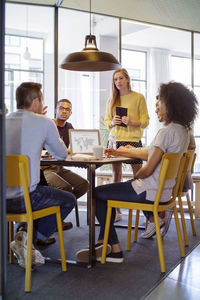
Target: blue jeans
121 191
43 197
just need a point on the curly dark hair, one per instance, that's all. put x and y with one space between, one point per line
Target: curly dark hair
181 103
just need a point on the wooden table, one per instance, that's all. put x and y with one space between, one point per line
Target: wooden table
91 166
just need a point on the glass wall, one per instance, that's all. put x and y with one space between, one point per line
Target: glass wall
151 54
197 92
29 51
23 62
87 91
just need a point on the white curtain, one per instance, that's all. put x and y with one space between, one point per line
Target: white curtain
160 72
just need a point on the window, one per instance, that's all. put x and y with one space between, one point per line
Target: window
179 67
88 91
36 35
19 69
135 62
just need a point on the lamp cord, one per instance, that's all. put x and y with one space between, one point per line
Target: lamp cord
90 18
26 26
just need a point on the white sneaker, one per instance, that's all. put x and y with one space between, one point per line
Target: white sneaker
167 220
118 217
83 255
19 247
151 229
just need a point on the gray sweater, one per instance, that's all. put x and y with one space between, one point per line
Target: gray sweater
28 133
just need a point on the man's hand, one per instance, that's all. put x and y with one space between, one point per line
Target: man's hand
44 110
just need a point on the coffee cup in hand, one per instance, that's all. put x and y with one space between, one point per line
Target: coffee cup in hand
98 152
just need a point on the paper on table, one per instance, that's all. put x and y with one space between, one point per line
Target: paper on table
84 157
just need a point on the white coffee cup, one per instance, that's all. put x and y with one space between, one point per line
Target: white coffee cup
98 152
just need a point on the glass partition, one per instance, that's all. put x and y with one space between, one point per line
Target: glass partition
154 55
197 92
87 91
29 51
151 54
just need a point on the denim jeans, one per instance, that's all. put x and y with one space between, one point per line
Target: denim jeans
43 197
121 191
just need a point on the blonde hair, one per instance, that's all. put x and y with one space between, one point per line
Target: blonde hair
115 100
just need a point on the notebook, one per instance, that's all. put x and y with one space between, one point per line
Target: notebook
121 111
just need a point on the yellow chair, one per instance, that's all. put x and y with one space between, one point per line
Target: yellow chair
189 163
171 168
17 174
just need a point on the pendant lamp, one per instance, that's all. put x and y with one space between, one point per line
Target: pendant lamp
90 59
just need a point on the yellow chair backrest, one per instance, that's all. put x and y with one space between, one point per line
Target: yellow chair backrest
187 167
171 167
193 162
17 174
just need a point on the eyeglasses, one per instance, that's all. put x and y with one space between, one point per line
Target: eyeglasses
64 108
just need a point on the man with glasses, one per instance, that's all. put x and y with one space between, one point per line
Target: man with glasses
58 176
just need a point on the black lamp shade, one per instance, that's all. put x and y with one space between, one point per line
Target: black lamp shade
90 59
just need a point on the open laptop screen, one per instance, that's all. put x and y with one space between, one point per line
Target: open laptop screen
83 140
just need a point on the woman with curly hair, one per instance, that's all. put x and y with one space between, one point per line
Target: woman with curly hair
178 107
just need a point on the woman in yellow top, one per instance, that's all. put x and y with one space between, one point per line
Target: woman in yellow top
136 120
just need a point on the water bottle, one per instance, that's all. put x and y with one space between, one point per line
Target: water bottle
112 142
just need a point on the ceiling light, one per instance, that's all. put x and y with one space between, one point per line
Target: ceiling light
90 59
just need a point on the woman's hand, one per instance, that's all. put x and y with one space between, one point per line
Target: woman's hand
128 122
125 148
110 151
116 121
129 147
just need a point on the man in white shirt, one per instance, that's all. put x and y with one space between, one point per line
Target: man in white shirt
27 133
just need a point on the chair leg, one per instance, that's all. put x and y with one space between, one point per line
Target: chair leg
136 225
29 257
191 214
146 224
61 241
197 200
106 234
10 239
183 221
178 229
77 216
159 242
128 243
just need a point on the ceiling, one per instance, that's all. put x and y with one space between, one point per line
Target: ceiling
174 13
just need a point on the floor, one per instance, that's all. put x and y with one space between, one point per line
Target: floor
141 268
183 282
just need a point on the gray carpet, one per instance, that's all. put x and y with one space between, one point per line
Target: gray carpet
131 280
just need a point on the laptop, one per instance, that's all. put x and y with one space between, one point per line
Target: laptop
82 141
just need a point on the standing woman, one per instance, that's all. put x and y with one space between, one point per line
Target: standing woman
136 120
